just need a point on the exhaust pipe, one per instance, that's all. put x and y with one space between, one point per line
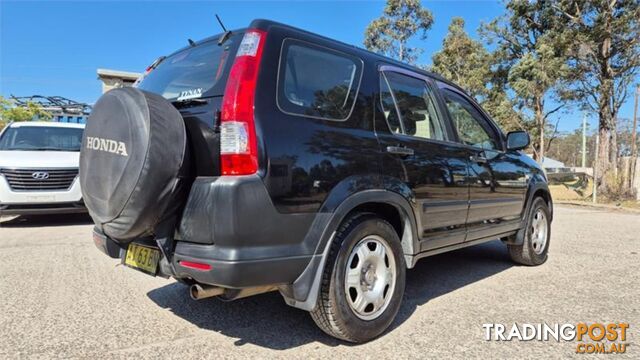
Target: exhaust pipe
199 292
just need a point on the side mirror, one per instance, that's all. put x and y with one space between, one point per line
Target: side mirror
517 140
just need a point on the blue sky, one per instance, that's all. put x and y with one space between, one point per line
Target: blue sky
55 47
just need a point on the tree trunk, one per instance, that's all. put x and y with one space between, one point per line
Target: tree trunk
605 125
613 147
540 121
602 158
541 154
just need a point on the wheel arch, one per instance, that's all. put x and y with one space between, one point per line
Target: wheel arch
395 215
390 205
537 188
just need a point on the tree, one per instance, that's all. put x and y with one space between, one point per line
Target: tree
400 21
503 110
467 63
605 58
463 60
10 112
533 57
567 148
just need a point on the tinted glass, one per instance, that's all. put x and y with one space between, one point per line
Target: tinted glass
468 122
193 72
389 107
318 82
41 138
414 112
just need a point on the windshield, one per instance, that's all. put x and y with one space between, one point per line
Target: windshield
194 72
41 138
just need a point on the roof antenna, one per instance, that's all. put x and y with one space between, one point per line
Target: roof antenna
191 42
226 34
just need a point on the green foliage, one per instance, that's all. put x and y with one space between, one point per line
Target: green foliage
401 20
504 110
567 148
467 63
537 72
10 112
605 59
605 51
531 57
463 60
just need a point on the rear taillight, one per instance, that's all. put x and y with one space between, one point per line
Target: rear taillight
238 143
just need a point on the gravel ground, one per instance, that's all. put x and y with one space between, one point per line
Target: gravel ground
61 298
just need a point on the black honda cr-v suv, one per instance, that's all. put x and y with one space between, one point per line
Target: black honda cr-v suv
271 158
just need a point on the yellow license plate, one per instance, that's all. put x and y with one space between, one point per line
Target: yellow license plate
143 258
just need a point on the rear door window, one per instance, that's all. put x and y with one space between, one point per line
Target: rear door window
409 106
198 71
317 82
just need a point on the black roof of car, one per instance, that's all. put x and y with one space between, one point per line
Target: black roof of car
264 23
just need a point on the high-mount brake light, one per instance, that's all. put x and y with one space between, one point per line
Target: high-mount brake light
238 143
149 69
154 64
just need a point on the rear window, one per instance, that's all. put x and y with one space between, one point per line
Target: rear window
198 71
316 81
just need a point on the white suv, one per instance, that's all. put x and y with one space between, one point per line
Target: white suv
39 168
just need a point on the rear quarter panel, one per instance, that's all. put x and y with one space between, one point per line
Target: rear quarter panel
303 158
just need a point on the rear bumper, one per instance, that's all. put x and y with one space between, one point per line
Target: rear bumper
232 274
240 274
230 224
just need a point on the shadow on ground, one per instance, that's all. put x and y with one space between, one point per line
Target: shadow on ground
265 320
45 220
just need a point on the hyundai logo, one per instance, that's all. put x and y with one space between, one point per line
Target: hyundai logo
40 175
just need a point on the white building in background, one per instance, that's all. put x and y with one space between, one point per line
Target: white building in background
552 165
115 78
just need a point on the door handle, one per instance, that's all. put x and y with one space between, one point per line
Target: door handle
400 150
478 159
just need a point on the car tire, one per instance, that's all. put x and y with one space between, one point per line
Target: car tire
535 246
362 307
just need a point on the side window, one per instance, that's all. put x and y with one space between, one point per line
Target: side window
468 121
316 81
409 107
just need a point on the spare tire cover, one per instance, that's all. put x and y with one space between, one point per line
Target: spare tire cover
132 153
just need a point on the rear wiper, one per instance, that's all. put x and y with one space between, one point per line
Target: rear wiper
188 102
